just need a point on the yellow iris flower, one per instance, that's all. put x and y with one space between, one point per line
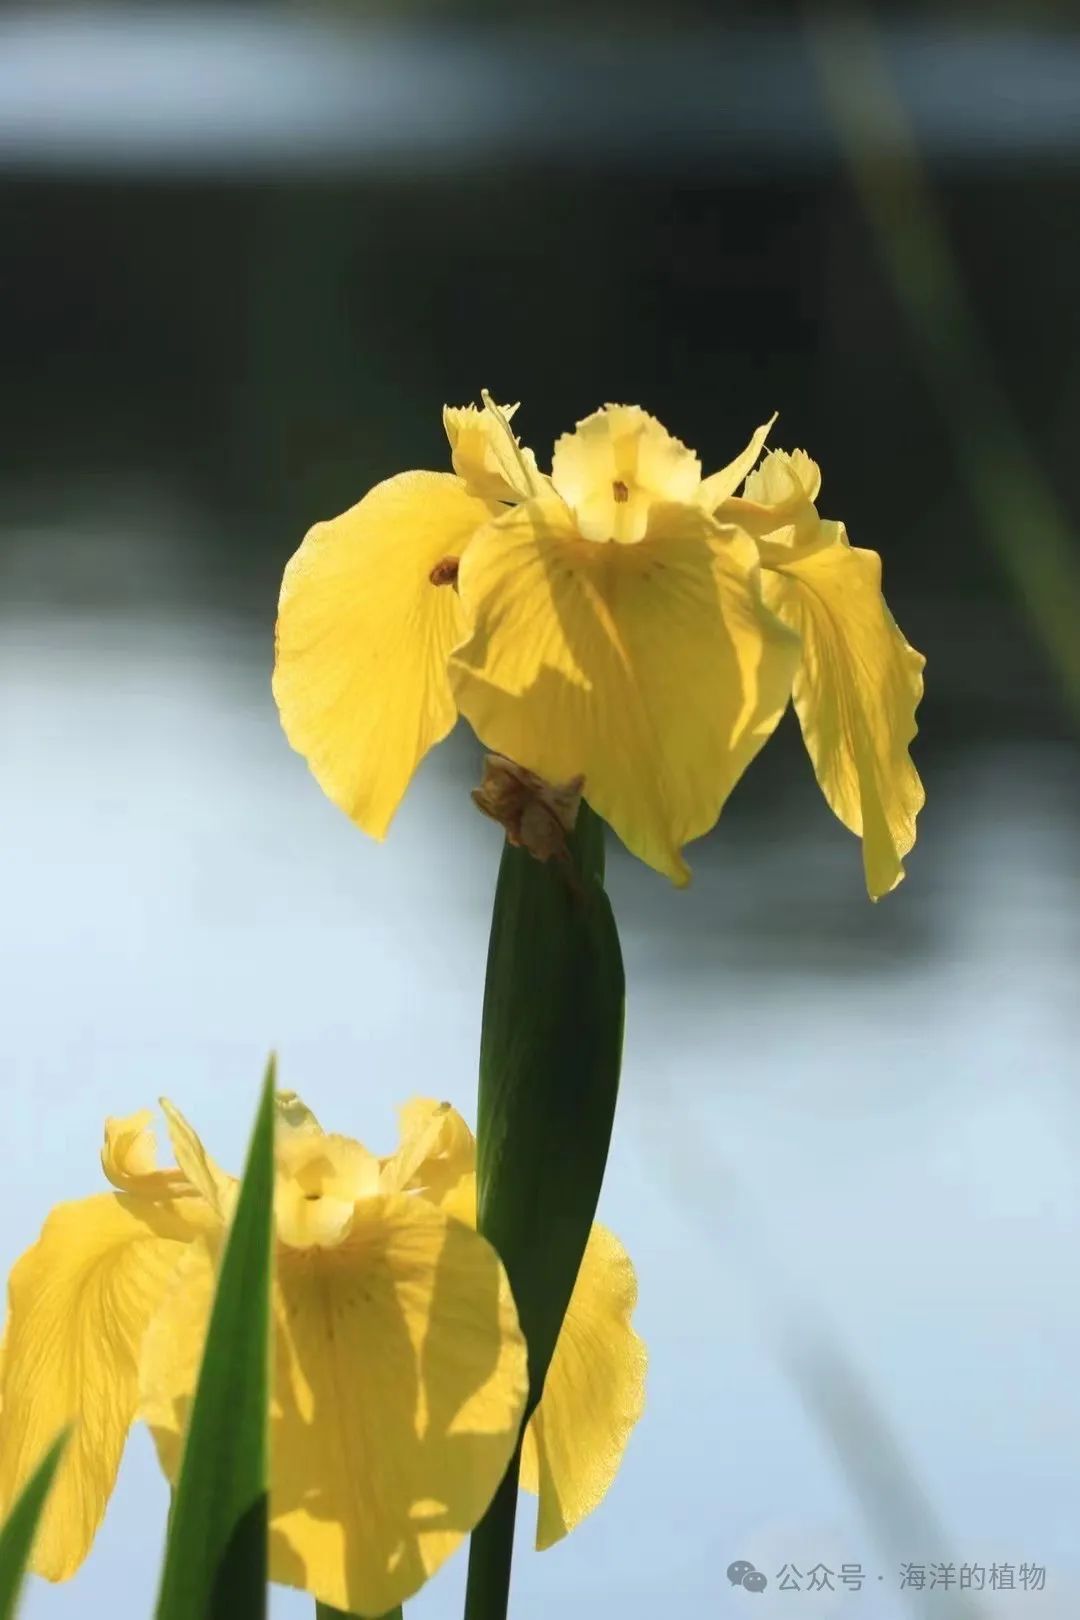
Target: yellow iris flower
622 619
400 1373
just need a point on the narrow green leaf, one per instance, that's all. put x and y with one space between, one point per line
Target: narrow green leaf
550 1053
215 1555
17 1534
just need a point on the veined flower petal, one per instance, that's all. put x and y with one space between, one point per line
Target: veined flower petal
856 692
79 1302
595 1386
720 486
367 617
593 1394
486 456
616 464
399 1384
654 670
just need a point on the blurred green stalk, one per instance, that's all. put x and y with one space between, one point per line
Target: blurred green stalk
1019 513
550 1053
324 1611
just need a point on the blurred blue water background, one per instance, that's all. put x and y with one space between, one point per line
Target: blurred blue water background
846 1155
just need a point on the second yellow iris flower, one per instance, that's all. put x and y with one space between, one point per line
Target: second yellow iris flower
400 1373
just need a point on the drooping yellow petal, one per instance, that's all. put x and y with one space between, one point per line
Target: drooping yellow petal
720 486
486 455
593 1394
79 1302
367 617
595 1387
615 466
654 670
856 692
399 1386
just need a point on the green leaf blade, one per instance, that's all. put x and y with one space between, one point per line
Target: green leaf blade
550 1055
216 1551
17 1533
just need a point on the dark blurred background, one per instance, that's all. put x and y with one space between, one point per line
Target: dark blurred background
248 254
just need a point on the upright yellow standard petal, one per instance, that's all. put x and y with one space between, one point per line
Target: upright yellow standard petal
367 617
399 1384
777 507
215 1186
129 1159
437 1150
720 486
79 1303
593 1394
617 464
485 454
654 669
856 692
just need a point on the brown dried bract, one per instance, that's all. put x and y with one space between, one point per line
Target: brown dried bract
535 814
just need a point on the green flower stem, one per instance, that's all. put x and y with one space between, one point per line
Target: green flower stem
491 1550
550 1052
324 1611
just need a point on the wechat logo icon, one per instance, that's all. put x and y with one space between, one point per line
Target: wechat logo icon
742 1573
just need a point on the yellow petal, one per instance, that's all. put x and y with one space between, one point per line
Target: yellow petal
654 670
486 455
594 1390
79 1303
856 692
615 465
777 508
292 1113
399 1386
719 486
129 1159
437 1149
319 1179
782 477
363 636
213 1184
593 1394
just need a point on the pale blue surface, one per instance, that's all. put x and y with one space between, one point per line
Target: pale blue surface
836 1118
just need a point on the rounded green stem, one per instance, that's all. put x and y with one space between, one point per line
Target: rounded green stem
487 1594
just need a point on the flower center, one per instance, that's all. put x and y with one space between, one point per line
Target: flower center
619 491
